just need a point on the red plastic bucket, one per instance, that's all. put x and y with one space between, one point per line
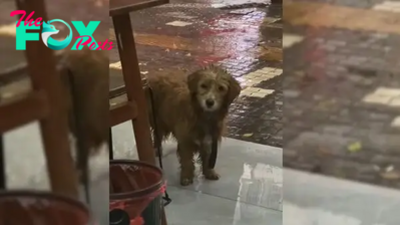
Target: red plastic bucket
44 208
133 185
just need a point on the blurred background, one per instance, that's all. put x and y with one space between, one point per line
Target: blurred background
24 155
341 110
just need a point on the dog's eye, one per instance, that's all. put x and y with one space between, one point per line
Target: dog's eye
221 88
204 86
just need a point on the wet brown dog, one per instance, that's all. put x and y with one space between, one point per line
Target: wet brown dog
85 77
193 109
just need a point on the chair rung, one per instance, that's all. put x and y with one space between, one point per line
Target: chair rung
22 110
123 112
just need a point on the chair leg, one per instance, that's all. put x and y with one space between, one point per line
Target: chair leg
164 218
2 165
54 128
134 86
110 144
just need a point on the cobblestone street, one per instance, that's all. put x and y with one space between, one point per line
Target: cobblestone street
245 37
342 89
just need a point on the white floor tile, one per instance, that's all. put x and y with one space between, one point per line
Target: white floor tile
396 122
320 200
384 96
391 6
179 23
289 40
256 92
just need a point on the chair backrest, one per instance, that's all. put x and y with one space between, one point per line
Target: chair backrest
45 103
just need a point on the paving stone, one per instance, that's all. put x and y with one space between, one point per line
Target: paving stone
291 93
179 23
396 122
391 6
393 92
256 92
395 102
355 66
378 99
289 40
340 130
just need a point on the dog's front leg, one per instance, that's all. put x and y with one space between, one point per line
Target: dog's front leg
205 153
186 152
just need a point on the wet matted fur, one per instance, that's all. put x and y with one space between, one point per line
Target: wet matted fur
192 108
85 84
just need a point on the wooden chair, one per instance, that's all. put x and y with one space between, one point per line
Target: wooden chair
44 103
134 108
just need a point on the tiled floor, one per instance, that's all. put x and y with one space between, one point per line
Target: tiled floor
25 167
248 193
317 200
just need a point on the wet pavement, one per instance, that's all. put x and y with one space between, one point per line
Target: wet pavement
245 37
342 90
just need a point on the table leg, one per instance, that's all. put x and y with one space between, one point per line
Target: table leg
134 86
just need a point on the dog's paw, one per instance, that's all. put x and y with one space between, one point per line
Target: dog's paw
211 175
186 181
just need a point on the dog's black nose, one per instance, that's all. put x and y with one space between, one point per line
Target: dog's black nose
209 103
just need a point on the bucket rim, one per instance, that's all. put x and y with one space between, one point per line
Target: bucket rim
141 192
46 195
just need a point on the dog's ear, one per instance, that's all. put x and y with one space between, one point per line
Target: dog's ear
234 90
193 80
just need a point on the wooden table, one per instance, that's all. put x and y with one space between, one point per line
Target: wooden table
134 108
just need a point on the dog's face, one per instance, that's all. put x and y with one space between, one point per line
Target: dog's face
213 88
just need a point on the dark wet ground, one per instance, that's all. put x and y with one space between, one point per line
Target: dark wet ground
334 66
241 37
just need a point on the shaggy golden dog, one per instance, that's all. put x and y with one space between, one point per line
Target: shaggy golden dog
193 109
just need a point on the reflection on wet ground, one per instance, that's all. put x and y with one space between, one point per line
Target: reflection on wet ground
245 37
341 89
321 200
